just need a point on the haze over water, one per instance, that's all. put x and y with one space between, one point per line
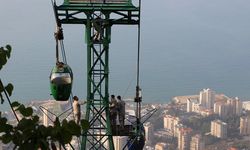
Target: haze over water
186 46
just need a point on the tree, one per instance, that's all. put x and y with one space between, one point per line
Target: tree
28 133
4 56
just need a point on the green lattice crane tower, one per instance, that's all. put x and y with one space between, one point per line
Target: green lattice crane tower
98 16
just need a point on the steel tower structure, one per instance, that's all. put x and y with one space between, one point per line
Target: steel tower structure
98 16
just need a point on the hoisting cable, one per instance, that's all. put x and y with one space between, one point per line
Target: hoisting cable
59 37
63 52
7 96
65 62
138 98
58 34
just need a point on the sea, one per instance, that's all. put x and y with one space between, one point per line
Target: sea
186 46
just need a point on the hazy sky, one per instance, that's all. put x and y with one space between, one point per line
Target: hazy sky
187 45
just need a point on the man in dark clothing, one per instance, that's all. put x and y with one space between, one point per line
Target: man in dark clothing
113 110
121 111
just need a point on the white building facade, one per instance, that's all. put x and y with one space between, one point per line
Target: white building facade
219 129
207 98
170 123
197 143
149 132
245 125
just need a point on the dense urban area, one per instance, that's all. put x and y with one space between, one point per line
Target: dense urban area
206 121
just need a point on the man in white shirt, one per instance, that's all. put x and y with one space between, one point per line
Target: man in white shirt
77 109
113 110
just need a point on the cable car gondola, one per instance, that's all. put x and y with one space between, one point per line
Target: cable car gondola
61 79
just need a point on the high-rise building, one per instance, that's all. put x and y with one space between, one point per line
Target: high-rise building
49 111
219 129
238 106
246 105
48 118
193 105
170 123
189 105
149 132
161 146
245 125
45 118
221 109
184 138
197 143
232 106
207 98
120 142
235 106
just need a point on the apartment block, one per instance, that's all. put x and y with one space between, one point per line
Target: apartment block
184 138
197 143
245 125
219 129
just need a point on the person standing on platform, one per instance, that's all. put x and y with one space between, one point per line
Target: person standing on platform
121 111
77 109
113 110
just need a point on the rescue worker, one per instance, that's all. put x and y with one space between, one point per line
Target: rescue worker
98 26
121 111
77 109
113 110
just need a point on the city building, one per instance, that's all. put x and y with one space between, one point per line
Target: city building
48 118
161 146
179 127
221 109
219 129
183 99
149 132
45 118
120 142
193 105
246 105
238 106
207 98
184 138
170 123
245 125
235 106
197 143
206 112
